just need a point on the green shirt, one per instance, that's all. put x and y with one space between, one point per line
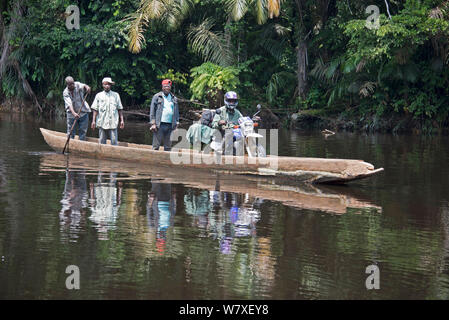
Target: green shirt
230 118
167 112
199 133
107 105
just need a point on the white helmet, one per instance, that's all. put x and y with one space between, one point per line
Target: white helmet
231 100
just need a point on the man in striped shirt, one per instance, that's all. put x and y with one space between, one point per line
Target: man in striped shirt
73 96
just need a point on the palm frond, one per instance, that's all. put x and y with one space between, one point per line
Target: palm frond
260 9
440 11
272 38
337 92
361 65
274 30
367 89
171 12
275 48
280 30
274 8
175 12
154 9
328 72
236 8
279 80
135 31
211 45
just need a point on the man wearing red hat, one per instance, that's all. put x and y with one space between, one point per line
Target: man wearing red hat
164 116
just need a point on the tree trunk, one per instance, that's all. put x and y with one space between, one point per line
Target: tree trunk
5 57
301 53
302 62
215 98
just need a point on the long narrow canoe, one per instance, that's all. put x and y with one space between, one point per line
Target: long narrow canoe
288 169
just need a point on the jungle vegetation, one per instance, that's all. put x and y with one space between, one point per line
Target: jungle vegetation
320 58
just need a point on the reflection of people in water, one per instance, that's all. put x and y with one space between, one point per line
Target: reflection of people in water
161 208
244 221
105 200
74 202
237 218
197 204
226 238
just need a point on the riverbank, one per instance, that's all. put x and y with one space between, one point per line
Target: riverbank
16 106
313 119
392 123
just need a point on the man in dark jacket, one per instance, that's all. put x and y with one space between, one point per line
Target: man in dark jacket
164 116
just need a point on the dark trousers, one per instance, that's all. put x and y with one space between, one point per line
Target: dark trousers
80 127
162 136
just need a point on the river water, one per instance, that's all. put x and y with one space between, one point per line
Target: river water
177 235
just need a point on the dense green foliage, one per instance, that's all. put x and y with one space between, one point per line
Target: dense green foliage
316 57
212 81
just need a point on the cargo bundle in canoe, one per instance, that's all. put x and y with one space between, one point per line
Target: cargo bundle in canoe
292 169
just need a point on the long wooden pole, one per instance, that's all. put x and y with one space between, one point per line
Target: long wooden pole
74 123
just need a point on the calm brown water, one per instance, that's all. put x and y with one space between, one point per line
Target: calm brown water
171 235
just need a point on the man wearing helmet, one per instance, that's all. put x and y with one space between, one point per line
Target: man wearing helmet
228 115
226 118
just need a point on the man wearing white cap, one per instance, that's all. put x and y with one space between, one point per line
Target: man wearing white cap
107 108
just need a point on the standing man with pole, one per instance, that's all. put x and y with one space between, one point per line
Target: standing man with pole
76 107
107 108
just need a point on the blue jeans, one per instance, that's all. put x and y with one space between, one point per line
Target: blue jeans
162 136
108 133
80 127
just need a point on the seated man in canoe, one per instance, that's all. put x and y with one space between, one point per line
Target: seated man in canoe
226 118
200 133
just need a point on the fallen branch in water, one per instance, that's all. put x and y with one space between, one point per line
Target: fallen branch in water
194 102
327 132
136 113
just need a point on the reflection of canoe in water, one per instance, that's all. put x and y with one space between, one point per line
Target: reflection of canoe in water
313 170
337 200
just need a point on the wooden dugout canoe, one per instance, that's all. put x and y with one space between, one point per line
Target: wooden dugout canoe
288 169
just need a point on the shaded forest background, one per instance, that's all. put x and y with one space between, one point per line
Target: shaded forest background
311 63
